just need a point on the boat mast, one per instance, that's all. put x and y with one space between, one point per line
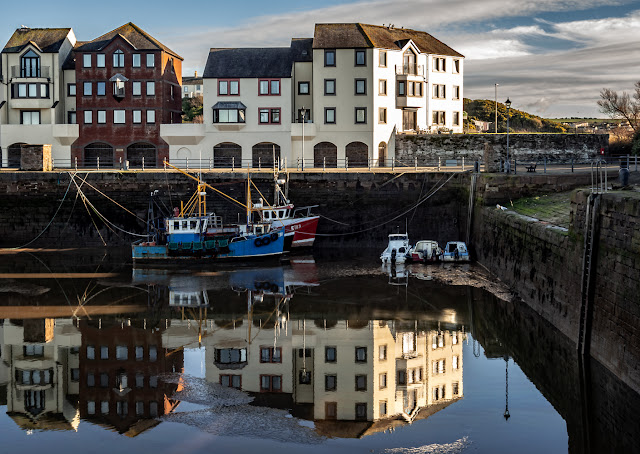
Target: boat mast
248 199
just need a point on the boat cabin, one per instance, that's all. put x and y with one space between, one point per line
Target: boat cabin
182 230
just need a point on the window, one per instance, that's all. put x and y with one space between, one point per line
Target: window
361 411
104 380
269 116
456 92
153 350
86 91
186 89
137 119
153 382
102 116
456 122
230 355
439 64
382 350
30 65
270 383
88 119
122 408
382 380
455 388
454 362
151 116
104 407
86 60
402 377
33 90
71 118
330 115
100 60
329 86
439 393
118 117
330 410
456 66
402 90
231 381
330 382
305 377
438 119
382 117
439 91
269 87
329 57
228 87
228 115
139 380
151 61
122 352
330 354
91 352
71 89
360 57
151 88
139 408
270 354
382 87
75 374
361 354
91 380
101 88
22 90
415 88
118 59
153 409
136 88
383 408
306 351
303 88
361 382
135 62
361 114
91 407
382 59
361 86
33 350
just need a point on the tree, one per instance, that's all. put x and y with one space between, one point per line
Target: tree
622 105
192 108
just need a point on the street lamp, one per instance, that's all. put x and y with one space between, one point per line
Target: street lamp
496 99
303 113
506 414
508 104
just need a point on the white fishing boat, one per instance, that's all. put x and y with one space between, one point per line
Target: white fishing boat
396 251
456 251
425 251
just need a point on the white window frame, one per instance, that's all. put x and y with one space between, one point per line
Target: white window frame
119 117
151 116
86 60
151 88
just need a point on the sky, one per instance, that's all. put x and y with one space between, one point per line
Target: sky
549 57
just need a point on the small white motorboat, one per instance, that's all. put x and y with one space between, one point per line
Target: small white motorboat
396 251
456 251
425 251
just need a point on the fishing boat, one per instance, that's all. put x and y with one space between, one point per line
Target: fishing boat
455 251
191 234
425 251
396 251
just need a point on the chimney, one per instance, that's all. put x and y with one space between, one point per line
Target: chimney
196 74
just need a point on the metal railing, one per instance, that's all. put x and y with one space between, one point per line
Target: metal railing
19 71
411 69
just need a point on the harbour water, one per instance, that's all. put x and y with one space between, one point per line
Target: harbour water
323 355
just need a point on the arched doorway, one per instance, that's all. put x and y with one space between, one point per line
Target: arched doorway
14 154
227 154
98 150
263 154
137 151
325 154
382 154
357 154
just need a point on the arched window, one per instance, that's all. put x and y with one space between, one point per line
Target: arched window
137 151
265 154
30 64
98 152
382 154
118 59
325 154
409 62
357 154
14 154
227 154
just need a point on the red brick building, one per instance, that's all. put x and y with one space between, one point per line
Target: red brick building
126 84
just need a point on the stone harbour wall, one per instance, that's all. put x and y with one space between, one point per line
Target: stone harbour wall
526 148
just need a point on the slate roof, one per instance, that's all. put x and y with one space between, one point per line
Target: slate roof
133 34
249 62
302 49
347 36
70 61
48 40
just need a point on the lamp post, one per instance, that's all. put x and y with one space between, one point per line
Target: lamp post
496 99
508 104
506 414
303 112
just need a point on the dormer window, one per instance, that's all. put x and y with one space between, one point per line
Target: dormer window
409 62
118 59
30 65
118 86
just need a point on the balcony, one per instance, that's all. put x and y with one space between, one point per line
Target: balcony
182 133
18 72
309 129
410 70
66 134
410 101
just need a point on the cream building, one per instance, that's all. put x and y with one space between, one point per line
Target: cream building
33 94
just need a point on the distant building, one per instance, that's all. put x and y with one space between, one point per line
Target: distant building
482 126
192 86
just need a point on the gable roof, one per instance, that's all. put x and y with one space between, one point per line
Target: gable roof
47 40
134 35
249 62
70 61
302 49
346 36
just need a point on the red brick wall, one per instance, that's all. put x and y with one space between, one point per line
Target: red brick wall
120 136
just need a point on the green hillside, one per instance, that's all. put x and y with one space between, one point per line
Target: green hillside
520 121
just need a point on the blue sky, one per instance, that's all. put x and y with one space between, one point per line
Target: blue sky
550 57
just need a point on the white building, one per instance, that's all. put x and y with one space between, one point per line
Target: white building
192 86
336 99
33 93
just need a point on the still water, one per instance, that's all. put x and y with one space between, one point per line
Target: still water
324 356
